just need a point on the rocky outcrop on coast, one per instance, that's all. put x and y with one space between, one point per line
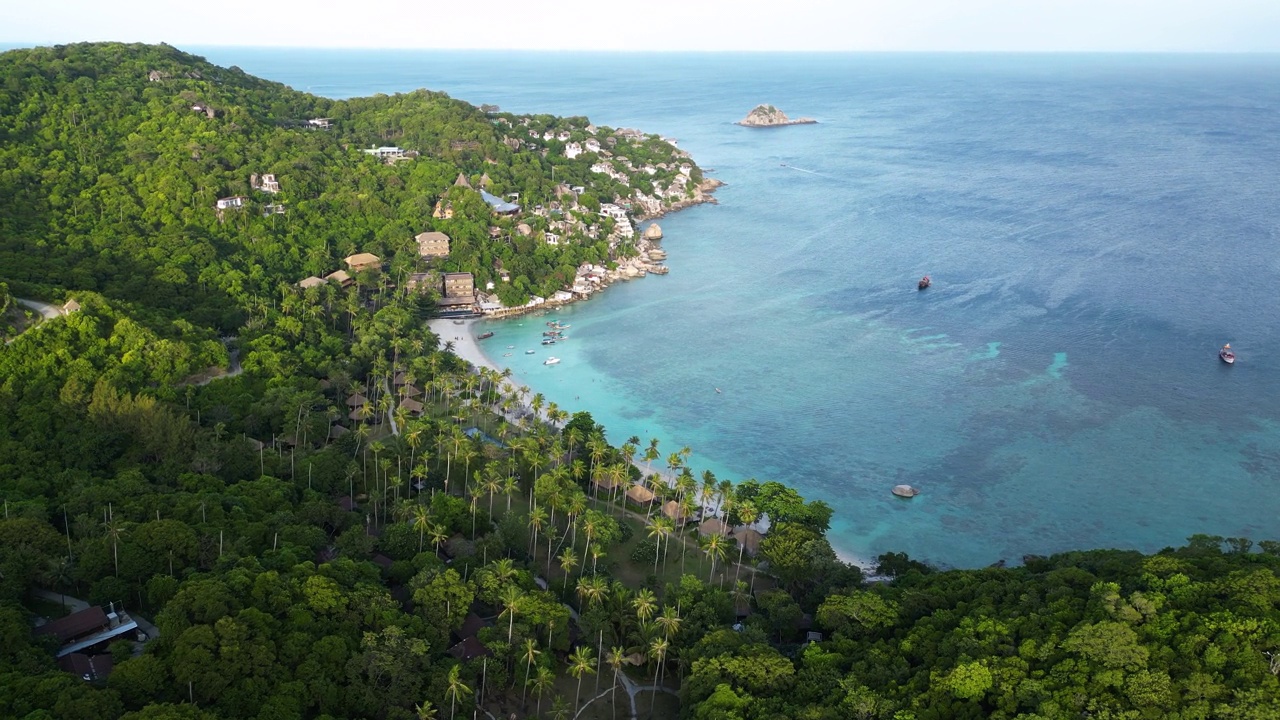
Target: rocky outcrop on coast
770 116
702 194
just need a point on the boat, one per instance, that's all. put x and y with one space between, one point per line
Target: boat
530 352
548 341
506 354
924 283
457 322
551 333
905 491
551 361
1227 355
484 336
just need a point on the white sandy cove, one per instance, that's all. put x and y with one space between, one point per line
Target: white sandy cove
466 347
464 342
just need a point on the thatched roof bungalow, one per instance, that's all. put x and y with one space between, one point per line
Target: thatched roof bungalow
713 526
748 539
639 494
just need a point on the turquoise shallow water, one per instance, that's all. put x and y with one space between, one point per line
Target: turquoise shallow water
1095 226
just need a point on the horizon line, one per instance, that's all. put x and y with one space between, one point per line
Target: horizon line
27 44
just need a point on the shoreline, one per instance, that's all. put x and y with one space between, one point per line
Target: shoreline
463 337
467 347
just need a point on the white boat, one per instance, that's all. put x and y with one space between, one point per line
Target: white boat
530 352
506 354
551 361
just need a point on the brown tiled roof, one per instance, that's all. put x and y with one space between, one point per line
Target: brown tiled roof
470 626
75 624
468 649
96 667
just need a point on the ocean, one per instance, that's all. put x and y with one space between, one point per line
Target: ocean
1096 227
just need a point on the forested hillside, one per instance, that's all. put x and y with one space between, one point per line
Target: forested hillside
326 514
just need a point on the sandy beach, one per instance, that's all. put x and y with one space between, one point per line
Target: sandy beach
464 341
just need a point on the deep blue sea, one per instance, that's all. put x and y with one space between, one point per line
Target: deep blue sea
1096 227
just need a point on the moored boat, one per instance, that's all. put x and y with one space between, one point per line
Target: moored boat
1227 355
924 283
484 336
530 352
548 341
551 361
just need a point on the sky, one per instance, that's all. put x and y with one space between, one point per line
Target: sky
665 25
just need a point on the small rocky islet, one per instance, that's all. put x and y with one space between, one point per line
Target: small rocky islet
770 116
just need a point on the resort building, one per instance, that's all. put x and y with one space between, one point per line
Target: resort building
500 206
459 284
713 526
459 295
265 183
341 277
639 494
88 628
417 282
235 201
432 244
363 261
310 282
749 539
673 510
390 152
320 123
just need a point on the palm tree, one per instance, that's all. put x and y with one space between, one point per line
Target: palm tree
512 599
510 486
670 622
421 522
651 454
114 529
713 546
657 530
438 535
645 603
491 484
615 659
598 449
748 514
425 711
537 517
581 662
568 561
542 682
455 688
658 651
591 591
531 653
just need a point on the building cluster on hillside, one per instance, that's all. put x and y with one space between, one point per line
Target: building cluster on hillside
83 636
355 263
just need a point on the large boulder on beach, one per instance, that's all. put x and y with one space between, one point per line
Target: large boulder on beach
653 232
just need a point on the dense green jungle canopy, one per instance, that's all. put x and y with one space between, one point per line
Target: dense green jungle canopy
308 542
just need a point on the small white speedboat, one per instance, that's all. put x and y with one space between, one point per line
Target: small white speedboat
530 352
551 361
